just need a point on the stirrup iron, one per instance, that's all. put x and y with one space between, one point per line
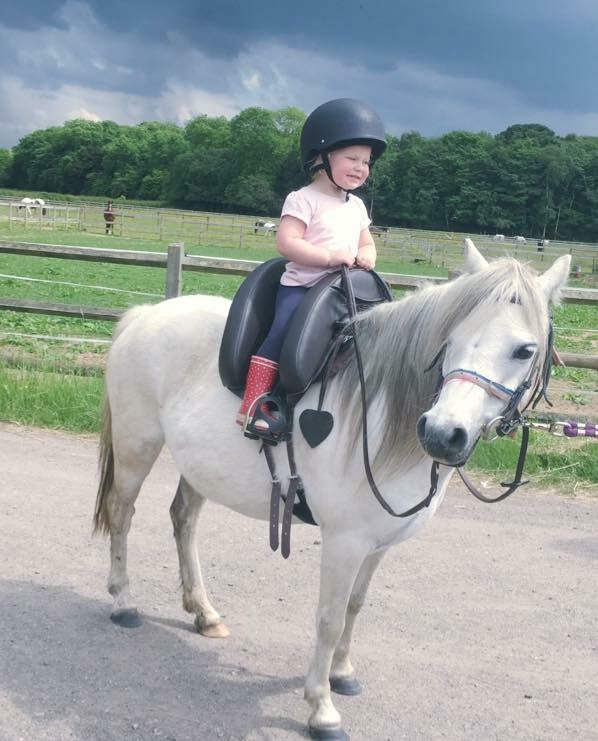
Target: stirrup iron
265 426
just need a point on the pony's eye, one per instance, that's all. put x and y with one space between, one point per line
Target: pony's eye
524 352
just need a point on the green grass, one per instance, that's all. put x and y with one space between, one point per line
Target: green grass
50 400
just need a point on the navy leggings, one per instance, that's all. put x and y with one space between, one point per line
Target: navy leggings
288 299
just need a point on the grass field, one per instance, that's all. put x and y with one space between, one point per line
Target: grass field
47 381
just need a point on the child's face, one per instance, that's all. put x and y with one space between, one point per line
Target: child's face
350 165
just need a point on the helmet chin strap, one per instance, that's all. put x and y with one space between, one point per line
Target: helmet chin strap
325 165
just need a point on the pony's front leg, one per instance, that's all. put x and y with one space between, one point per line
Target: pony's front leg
342 674
340 564
184 512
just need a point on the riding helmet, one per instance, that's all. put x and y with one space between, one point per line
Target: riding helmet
341 123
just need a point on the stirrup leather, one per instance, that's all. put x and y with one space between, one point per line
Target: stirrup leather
269 426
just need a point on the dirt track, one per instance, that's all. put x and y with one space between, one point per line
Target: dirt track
483 628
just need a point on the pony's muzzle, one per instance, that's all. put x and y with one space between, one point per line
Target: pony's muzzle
444 441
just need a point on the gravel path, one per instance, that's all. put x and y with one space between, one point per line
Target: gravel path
485 627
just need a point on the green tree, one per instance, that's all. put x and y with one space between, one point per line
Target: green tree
204 133
34 161
378 191
199 179
253 194
255 143
290 175
5 166
524 180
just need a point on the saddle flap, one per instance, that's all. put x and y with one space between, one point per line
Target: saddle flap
317 321
248 322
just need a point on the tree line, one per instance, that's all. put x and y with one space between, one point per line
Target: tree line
524 180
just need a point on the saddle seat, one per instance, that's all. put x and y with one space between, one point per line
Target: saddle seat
311 333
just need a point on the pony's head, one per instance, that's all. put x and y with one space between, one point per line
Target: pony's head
496 357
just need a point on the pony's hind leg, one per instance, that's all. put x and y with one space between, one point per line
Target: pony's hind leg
342 674
184 512
130 471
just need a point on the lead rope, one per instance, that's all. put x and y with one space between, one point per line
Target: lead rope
352 308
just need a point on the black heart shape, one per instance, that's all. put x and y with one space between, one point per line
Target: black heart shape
315 426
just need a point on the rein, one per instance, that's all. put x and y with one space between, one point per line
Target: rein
350 296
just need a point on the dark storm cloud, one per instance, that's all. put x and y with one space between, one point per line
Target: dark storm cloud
536 47
32 15
427 65
544 49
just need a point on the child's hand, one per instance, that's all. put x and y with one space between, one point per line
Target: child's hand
341 257
366 257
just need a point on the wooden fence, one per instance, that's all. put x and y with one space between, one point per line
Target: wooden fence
176 261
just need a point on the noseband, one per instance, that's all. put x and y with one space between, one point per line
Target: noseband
511 417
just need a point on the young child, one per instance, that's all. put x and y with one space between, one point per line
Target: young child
322 227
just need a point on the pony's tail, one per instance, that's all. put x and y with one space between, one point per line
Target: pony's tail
101 517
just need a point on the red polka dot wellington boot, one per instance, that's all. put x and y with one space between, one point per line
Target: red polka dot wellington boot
261 377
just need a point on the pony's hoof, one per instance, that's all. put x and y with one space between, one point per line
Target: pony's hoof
324 734
126 618
216 630
345 686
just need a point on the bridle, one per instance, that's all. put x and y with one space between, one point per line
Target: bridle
511 418
505 424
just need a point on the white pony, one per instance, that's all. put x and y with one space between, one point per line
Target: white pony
32 203
264 227
163 387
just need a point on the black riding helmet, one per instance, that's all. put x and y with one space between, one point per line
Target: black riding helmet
340 123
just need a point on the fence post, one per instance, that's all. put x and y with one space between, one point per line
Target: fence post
174 269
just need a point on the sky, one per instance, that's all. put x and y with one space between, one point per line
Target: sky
426 65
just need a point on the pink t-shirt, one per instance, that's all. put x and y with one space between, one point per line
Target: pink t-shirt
332 223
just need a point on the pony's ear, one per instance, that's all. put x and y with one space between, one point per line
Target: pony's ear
473 258
555 278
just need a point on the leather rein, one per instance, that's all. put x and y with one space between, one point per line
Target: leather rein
505 424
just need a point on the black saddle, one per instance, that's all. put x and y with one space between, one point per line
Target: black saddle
312 330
